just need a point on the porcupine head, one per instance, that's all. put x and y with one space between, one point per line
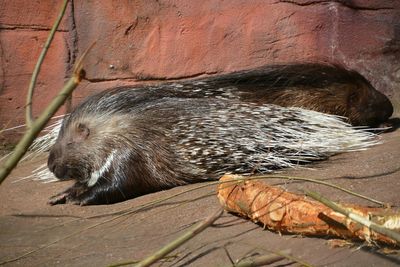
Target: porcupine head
101 152
89 151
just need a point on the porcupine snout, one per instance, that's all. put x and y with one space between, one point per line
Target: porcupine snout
59 170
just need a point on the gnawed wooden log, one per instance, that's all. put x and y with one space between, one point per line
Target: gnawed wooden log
287 212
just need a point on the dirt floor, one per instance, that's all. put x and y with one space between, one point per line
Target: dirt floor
33 233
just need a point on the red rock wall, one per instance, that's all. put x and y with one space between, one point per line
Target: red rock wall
176 39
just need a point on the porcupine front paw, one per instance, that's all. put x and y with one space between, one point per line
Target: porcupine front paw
63 198
66 197
72 195
60 198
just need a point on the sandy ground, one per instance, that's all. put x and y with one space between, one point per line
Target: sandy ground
68 235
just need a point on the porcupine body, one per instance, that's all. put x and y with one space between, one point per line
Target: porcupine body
126 142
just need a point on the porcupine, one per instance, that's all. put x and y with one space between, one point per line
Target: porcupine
125 142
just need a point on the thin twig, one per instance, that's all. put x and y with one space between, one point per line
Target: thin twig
319 182
29 116
180 240
355 217
263 260
42 120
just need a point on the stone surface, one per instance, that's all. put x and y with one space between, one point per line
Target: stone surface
22 14
176 39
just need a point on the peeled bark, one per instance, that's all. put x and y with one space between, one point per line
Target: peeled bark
286 212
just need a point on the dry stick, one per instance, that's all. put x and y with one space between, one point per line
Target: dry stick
44 117
263 260
180 240
355 217
284 253
28 114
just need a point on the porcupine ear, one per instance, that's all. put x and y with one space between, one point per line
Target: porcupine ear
82 132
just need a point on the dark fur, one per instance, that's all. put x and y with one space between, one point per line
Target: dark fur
321 87
131 130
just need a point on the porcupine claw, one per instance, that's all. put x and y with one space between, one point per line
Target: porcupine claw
73 195
64 198
60 198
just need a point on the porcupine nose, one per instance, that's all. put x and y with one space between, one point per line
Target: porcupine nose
382 110
59 170
388 110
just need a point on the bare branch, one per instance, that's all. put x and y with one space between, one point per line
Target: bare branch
28 114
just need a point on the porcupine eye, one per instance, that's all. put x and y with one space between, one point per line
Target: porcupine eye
352 98
82 132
